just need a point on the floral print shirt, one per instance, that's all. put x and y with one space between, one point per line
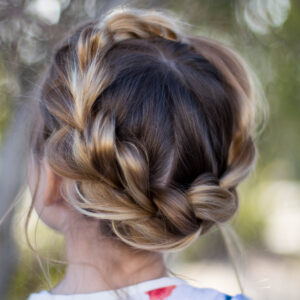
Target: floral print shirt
164 288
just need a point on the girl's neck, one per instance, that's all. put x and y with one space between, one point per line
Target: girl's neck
98 263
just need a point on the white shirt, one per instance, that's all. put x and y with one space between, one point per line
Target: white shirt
169 288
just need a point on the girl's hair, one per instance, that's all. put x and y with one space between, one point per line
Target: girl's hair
151 129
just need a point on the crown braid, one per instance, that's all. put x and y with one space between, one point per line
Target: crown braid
108 174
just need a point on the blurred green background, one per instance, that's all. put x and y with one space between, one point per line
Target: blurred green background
266 33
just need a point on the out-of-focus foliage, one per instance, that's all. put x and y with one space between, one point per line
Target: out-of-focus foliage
266 33
5 102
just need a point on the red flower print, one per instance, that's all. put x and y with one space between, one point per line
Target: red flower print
161 293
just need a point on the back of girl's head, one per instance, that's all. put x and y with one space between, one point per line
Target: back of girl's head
151 129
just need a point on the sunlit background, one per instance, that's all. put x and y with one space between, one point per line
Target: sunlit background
267 253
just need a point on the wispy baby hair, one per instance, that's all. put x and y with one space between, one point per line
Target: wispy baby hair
150 128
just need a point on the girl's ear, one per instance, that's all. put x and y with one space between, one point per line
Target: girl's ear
52 186
48 202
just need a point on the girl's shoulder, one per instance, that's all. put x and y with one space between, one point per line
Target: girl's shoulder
165 288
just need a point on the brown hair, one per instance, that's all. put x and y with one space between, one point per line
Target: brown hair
151 129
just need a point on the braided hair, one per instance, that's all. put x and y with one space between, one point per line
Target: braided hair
150 128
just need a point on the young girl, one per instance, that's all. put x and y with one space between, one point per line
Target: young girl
143 134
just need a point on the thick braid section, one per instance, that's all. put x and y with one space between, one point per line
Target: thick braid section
114 165
123 25
211 202
241 161
182 216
